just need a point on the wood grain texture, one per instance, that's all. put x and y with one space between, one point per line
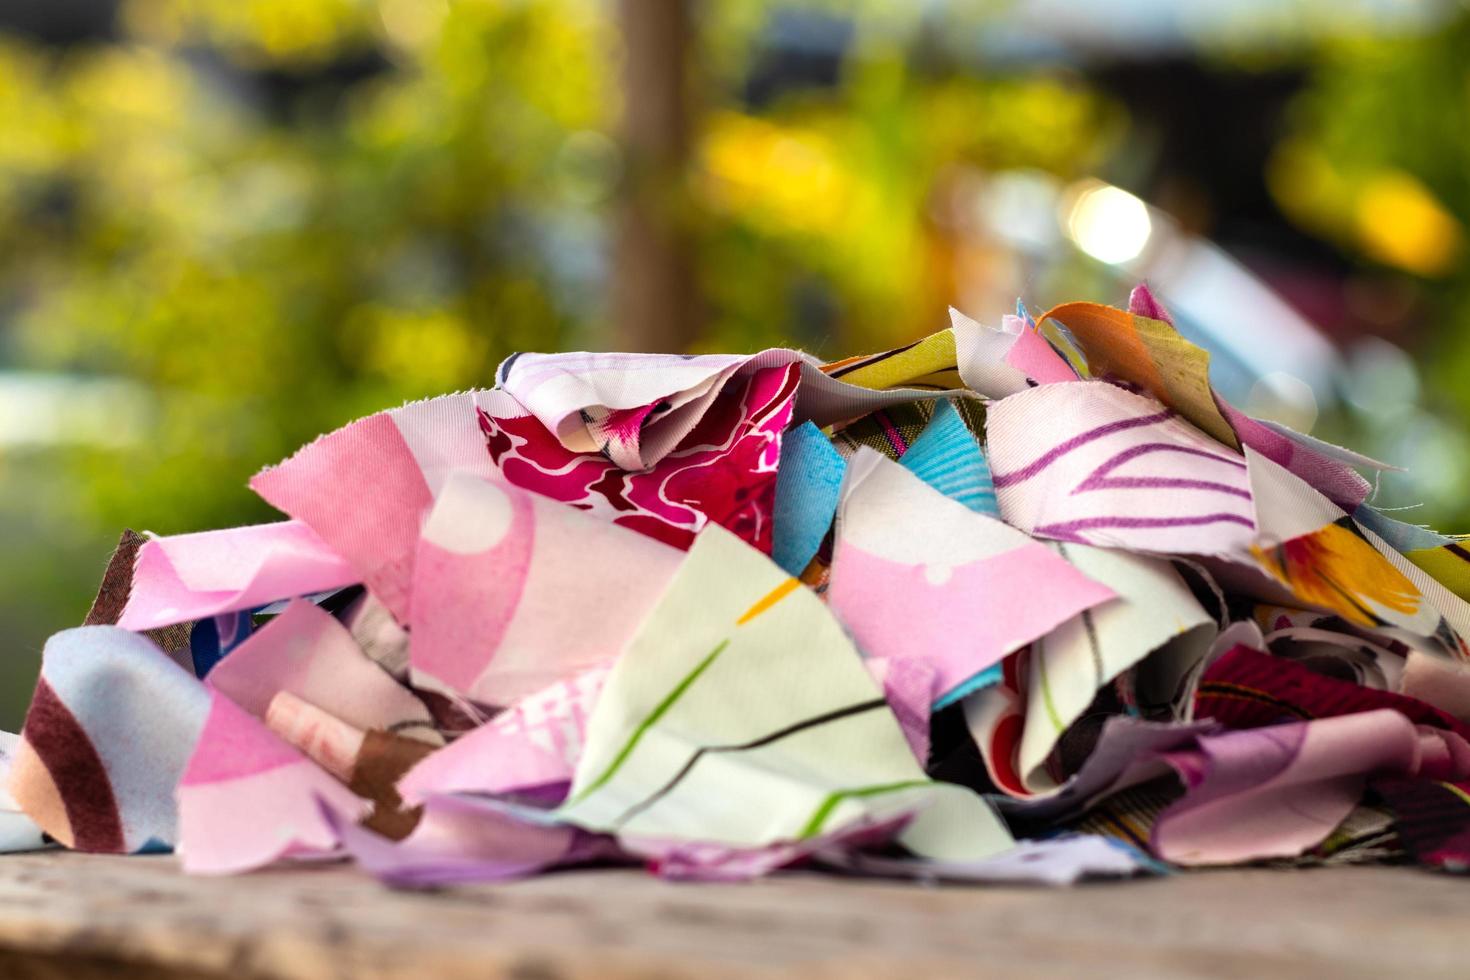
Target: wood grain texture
78 916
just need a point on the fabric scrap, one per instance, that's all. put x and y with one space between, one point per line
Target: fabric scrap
1276 791
461 840
193 576
808 483
947 457
751 688
1055 861
117 587
247 799
109 730
533 745
908 587
18 832
724 471
510 591
1432 818
1150 354
1091 463
308 653
1068 666
999 362
928 363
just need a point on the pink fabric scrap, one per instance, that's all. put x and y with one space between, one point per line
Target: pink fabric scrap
510 591
1019 595
308 653
461 839
1278 790
247 799
185 577
698 861
1033 356
532 745
1338 482
361 489
908 684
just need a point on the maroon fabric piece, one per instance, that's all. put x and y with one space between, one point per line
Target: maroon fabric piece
117 581
1248 689
381 762
77 770
117 586
1432 818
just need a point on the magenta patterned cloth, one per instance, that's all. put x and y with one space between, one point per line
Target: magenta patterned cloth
723 471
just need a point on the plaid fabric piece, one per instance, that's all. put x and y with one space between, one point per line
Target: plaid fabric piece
892 430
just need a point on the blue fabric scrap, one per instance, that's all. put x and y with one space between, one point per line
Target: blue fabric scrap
808 482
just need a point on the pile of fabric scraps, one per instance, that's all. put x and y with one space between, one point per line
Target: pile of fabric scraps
1017 603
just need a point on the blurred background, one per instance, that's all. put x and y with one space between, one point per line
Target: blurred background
229 225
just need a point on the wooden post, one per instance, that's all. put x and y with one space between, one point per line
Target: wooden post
653 292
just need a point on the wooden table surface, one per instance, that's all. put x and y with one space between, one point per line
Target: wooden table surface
78 916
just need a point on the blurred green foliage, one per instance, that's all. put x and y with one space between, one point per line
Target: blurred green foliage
276 215
268 269
1376 158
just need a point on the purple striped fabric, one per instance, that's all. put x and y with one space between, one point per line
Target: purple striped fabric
1077 442
1090 463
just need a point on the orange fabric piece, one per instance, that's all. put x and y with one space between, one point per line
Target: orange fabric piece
1148 353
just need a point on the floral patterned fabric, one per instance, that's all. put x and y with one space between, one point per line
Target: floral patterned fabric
724 471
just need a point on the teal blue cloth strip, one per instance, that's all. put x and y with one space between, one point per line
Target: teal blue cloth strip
947 457
1403 537
990 675
808 482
